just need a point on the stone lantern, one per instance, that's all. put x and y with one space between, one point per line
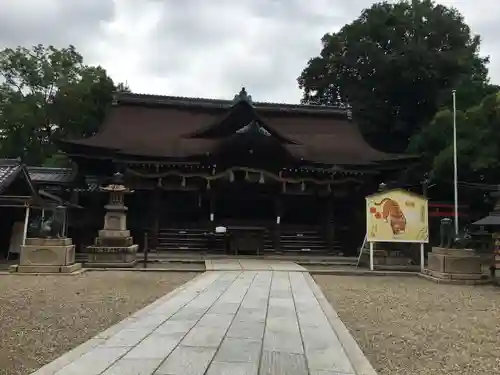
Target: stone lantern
492 221
114 247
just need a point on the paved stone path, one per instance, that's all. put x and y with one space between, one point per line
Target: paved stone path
224 323
252 265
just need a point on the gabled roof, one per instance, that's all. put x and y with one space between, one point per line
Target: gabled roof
240 116
152 127
10 171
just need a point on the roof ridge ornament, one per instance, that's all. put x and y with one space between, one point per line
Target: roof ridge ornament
253 125
243 96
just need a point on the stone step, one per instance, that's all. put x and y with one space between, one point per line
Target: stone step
304 252
299 237
303 243
188 248
189 239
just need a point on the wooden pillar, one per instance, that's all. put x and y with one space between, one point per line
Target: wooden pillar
211 208
26 222
278 204
155 218
74 196
330 225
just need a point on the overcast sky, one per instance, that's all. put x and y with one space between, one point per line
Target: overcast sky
206 48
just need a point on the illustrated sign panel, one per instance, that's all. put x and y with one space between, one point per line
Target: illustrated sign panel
397 216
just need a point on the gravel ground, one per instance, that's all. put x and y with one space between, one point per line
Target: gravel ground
410 326
42 317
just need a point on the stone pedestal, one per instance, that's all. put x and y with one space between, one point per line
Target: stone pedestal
113 247
455 266
112 252
47 255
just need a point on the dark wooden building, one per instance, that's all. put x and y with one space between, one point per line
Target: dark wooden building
297 172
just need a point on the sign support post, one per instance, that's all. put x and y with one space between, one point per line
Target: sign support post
371 256
422 257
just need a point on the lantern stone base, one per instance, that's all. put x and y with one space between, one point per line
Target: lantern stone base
114 251
47 255
457 266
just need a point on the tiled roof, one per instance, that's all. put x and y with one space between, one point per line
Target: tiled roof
175 132
51 175
56 176
9 169
93 184
224 103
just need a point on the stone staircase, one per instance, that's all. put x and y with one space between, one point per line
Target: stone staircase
293 241
189 240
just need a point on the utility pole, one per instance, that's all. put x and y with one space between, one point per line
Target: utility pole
455 162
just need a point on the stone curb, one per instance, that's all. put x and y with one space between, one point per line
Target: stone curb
363 273
358 359
76 273
437 280
52 367
83 270
146 269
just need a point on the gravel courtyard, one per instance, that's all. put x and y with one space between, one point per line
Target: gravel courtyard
42 317
410 326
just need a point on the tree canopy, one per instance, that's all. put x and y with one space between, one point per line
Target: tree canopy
396 65
478 142
48 94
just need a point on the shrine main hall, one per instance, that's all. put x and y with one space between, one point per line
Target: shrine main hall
293 175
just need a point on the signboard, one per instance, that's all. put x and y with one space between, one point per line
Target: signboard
397 216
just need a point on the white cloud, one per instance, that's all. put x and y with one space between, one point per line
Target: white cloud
205 48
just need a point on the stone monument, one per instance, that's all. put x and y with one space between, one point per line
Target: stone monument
452 261
114 247
49 251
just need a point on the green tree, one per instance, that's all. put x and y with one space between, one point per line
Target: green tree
478 142
396 65
48 94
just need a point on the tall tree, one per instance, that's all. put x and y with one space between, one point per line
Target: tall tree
478 142
48 93
395 64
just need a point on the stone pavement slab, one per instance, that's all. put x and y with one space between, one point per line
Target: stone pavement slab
252 265
244 322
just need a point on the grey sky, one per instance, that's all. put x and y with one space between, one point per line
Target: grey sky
206 48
